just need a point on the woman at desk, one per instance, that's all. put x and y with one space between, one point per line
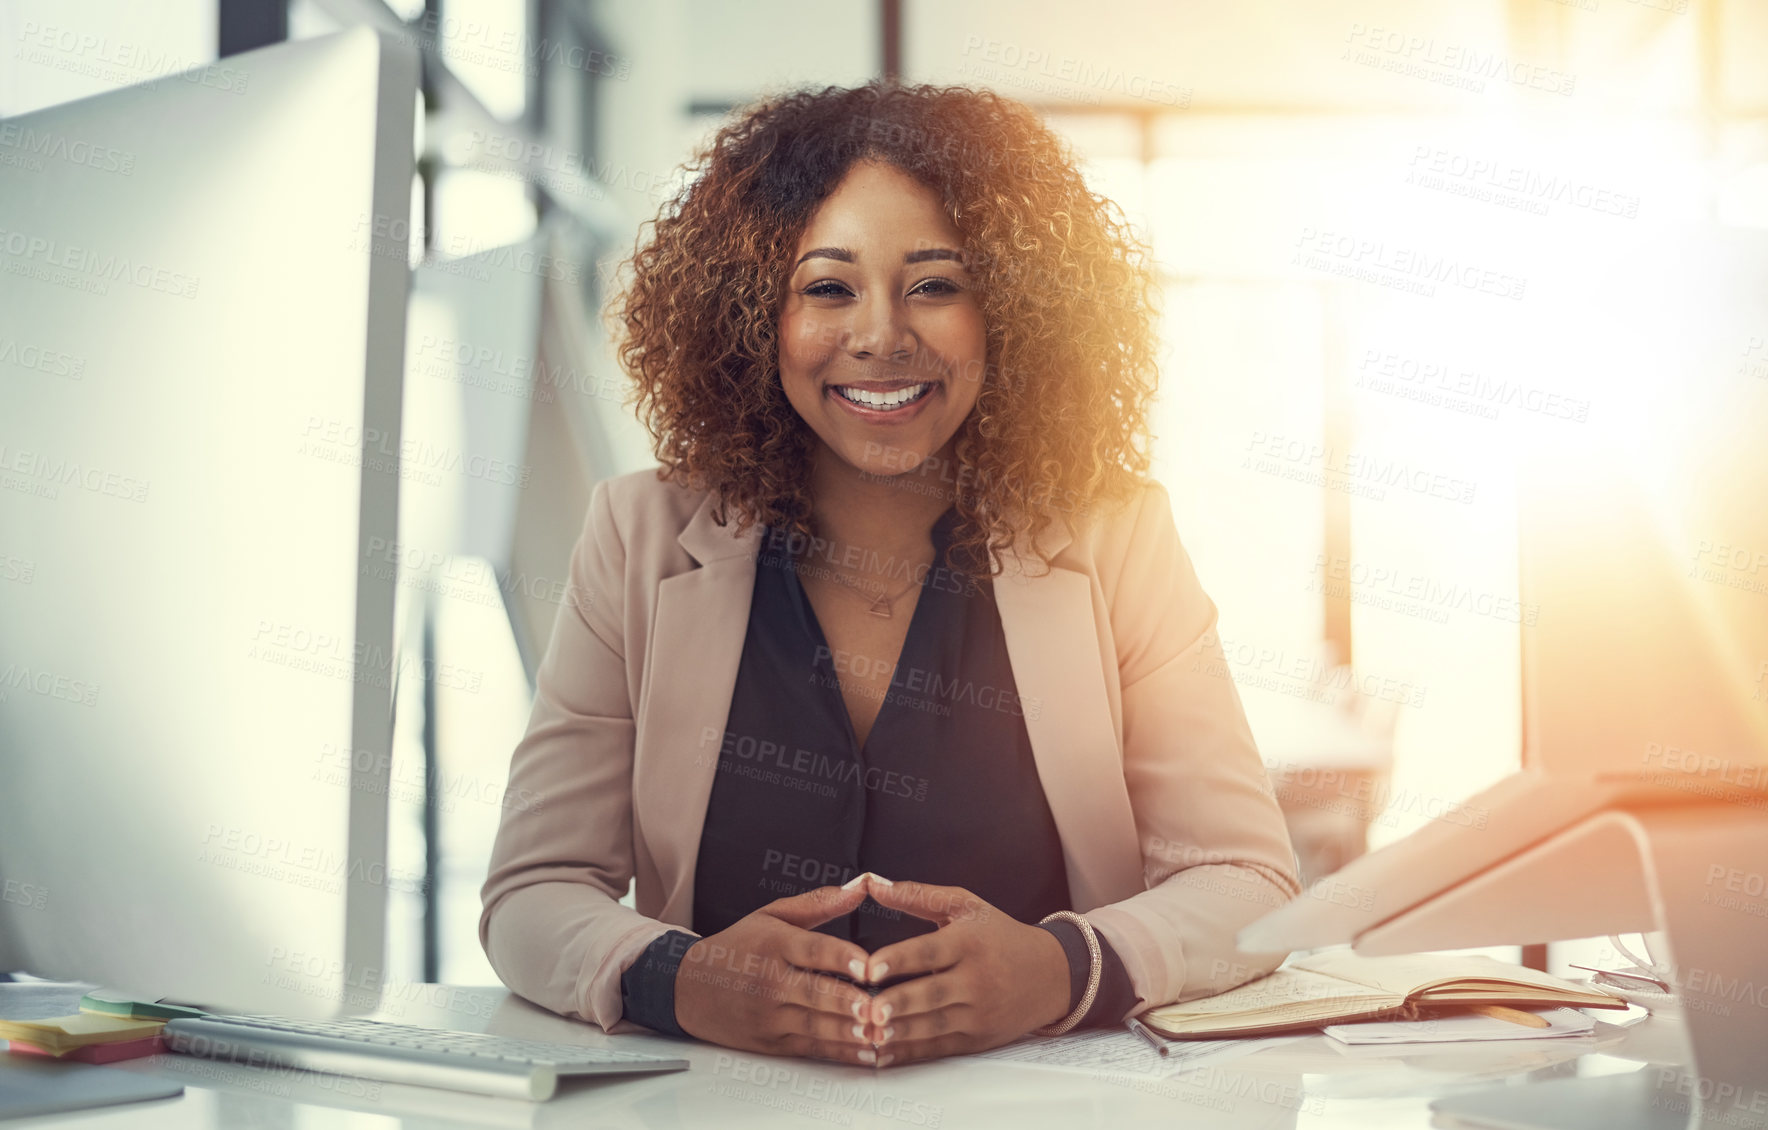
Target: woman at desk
893 688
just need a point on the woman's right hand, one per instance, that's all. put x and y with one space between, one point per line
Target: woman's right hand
765 985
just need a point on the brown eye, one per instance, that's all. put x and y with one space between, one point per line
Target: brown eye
938 286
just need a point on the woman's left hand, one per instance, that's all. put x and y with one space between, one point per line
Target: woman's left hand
982 979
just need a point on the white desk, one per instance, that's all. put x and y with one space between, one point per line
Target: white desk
1310 1083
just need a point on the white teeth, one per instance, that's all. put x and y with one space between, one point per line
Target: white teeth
885 400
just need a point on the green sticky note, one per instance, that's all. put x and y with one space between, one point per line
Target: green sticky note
115 1003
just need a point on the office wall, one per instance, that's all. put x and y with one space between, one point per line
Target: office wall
59 50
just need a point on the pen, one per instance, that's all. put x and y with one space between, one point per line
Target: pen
1514 1015
1147 1034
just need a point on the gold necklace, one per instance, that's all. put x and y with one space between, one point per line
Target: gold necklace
877 606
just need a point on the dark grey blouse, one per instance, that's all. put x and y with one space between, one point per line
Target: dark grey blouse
944 791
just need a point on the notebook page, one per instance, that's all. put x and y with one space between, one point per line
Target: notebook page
1405 974
1288 993
1441 976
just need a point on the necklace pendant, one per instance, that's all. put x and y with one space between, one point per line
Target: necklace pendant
880 607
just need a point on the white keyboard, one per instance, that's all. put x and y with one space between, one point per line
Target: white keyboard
401 1053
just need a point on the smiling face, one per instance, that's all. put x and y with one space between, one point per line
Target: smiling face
882 344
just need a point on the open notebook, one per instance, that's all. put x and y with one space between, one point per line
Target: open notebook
1340 986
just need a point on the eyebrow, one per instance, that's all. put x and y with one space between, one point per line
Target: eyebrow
843 255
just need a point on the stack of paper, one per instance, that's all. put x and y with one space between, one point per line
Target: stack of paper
1113 1050
39 1000
37 1018
1446 1029
90 1036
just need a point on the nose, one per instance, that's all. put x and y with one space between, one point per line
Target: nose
880 329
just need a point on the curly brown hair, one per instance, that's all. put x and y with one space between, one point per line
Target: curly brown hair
1060 424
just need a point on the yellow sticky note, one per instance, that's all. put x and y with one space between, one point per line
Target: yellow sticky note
64 1033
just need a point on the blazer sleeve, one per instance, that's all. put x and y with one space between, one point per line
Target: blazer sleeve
552 923
1215 849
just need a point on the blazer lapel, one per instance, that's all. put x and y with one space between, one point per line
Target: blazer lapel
696 647
1053 644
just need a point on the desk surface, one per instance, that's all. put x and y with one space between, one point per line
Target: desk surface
1312 1082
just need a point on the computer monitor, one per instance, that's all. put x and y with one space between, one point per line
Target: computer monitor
203 284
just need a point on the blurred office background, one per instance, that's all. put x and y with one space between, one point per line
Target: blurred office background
1338 422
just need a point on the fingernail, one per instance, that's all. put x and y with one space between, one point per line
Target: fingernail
867 1055
884 1014
881 880
858 969
854 882
880 971
887 1061
888 1032
856 1014
859 1031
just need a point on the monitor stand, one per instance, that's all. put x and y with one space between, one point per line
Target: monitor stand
1675 868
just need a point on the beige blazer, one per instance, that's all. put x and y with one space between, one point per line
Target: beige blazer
1170 831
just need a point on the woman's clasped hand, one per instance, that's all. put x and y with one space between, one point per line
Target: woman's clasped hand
771 984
